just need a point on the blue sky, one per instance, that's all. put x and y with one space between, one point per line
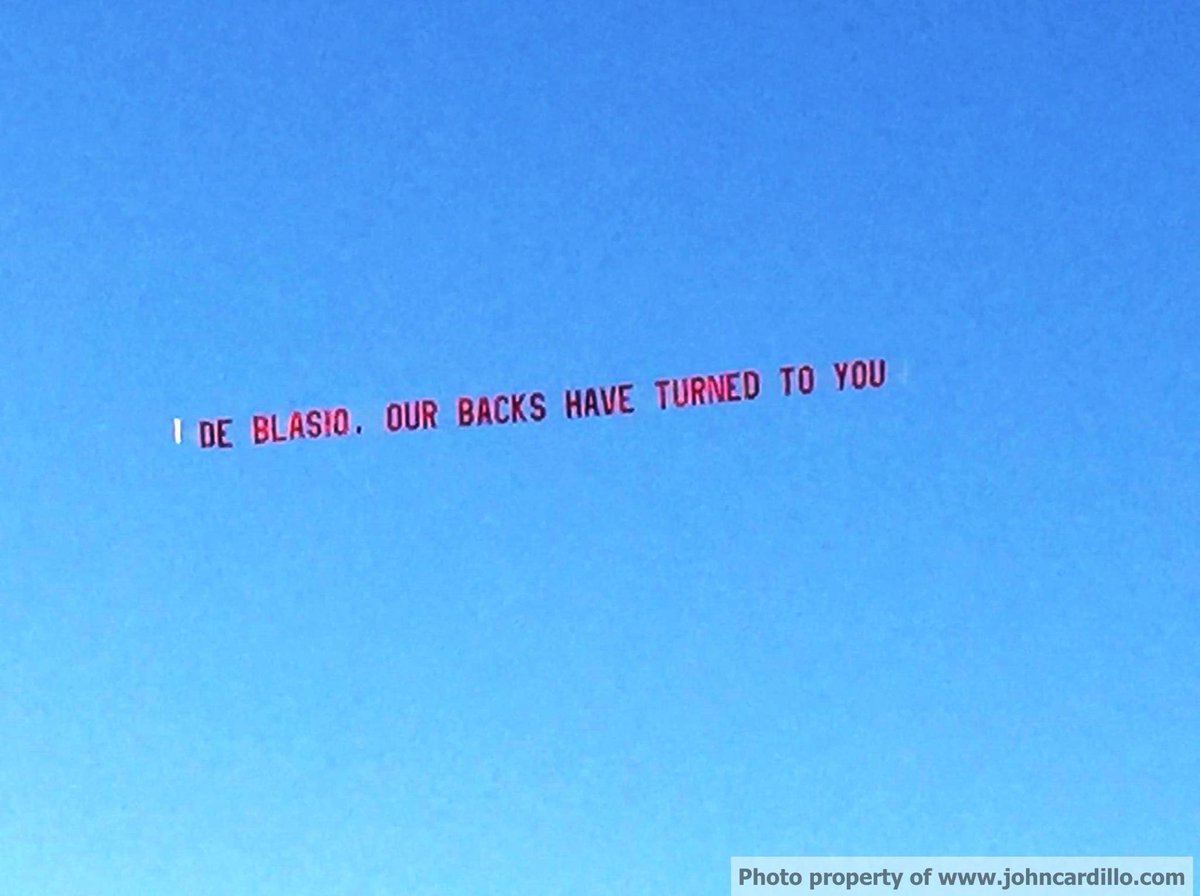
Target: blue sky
955 615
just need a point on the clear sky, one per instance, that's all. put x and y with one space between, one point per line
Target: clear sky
953 615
